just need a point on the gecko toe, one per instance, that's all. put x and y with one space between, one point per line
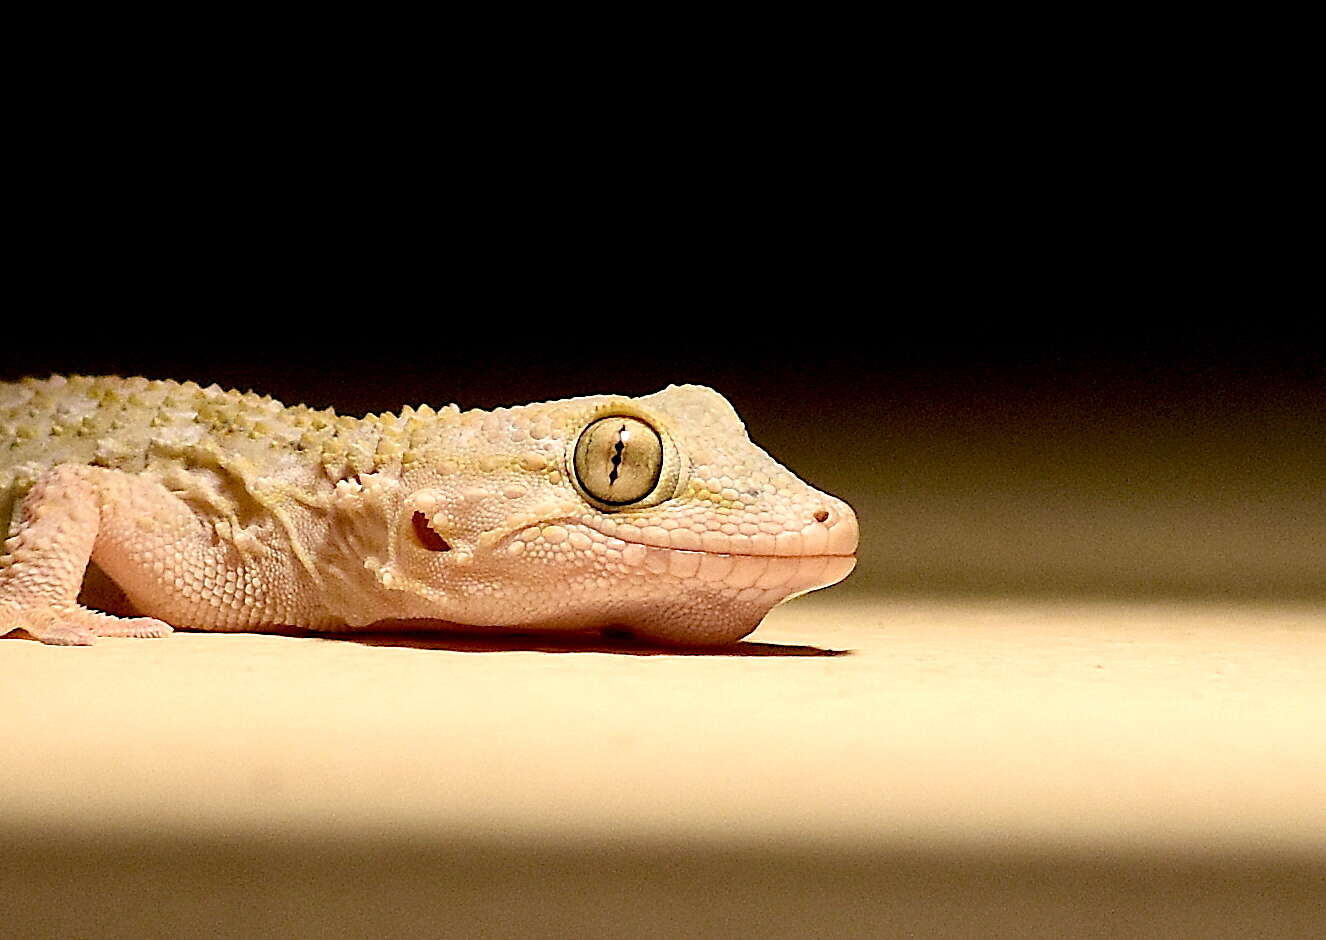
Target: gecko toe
140 627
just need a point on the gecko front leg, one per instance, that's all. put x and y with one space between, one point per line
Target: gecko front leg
63 517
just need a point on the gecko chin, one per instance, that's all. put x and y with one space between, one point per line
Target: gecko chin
696 622
718 613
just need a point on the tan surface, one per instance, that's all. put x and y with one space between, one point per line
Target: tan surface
1073 766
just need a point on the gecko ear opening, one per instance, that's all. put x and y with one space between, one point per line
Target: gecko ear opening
424 533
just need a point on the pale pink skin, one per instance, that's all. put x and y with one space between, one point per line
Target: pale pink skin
219 511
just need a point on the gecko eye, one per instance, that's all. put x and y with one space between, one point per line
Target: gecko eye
618 460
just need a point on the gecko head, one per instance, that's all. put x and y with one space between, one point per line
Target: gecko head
655 514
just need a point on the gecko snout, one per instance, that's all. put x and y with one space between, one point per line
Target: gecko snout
840 522
832 529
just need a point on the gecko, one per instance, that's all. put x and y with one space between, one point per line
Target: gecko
212 509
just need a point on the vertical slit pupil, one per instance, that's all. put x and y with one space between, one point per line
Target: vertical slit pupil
617 449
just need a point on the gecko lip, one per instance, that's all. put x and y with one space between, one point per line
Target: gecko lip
570 521
785 574
788 572
837 540
701 551
835 543
722 554
758 576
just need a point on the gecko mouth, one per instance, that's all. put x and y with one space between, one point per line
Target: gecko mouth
701 551
757 574
831 559
827 554
817 540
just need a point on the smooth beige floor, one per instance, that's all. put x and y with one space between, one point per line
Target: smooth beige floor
858 766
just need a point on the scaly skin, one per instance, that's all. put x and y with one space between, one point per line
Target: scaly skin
214 510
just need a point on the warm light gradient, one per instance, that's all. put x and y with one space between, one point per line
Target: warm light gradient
1073 687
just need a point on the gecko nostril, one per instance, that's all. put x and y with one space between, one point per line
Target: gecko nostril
821 515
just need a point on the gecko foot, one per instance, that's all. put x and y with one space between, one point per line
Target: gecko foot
77 626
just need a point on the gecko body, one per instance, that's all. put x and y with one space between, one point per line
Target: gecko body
216 510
